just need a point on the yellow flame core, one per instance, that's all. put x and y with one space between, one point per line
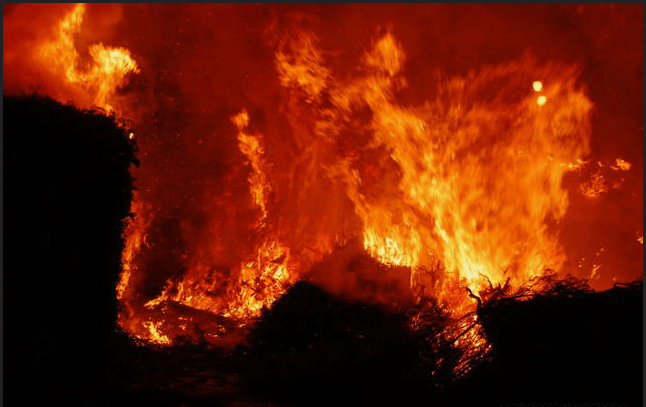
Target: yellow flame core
155 334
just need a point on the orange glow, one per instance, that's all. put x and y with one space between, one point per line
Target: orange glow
595 186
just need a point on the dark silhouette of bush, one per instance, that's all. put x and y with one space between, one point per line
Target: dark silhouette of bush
562 345
67 194
313 348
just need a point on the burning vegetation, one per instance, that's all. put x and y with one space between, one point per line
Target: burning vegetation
390 170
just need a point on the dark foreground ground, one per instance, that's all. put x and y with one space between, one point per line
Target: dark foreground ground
67 191
313 349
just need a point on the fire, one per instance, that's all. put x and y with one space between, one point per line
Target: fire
299 64
595 186
89 82
135 238
255 283
598 184
467 187
467 196
621 165
250 147
155 335
459 184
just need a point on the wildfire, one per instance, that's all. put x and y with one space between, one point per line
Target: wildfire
250 146
464 198
155 335
467 190
460 186
260 280
135 238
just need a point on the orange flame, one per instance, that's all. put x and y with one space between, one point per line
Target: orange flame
250 147
479 180
135 234
90 84
462 191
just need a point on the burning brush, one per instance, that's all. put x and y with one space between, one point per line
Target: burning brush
288 174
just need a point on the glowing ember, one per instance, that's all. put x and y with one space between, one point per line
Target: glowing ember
595 186
255 283
621 165
155 335
541 100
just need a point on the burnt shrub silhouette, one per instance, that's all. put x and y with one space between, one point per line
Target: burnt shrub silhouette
313 348
67 194
562 345
565 345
